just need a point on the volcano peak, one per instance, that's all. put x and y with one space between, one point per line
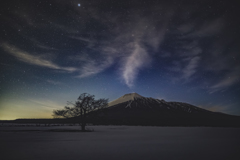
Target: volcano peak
132 95
125 98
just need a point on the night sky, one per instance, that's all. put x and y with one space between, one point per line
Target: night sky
52 51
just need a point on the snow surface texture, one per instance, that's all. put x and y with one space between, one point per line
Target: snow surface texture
120 142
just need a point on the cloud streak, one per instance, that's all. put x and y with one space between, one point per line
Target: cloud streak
136 46
208 29
229 80
191 67
189 57
138 59
92 67
33 59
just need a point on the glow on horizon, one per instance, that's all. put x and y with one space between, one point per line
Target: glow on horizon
27 109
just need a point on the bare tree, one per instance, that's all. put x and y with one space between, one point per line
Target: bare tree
85 103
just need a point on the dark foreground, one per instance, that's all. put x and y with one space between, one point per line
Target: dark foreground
119 142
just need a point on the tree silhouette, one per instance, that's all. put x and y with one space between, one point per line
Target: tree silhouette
85 103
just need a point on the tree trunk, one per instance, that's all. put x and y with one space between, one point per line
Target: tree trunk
83 126
83 119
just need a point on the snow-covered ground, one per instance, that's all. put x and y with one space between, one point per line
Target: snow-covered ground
120 143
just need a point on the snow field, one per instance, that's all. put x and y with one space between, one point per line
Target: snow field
120 142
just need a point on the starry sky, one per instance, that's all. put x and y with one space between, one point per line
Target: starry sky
51 51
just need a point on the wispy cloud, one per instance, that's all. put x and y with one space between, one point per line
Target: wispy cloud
93 67
48 104
130 45
33 59
39 44
82 39
190 52
137 45
90 43
138 59
209 28
223 62
230 79
189 56
129 49
191 67
90 65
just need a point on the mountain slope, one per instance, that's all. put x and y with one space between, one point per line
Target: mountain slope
134 109
136 101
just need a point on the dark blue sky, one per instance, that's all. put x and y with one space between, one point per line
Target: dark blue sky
52 51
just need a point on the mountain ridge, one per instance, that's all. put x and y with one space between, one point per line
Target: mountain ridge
134 109
134 99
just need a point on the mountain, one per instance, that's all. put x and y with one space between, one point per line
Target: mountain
134 109
136 101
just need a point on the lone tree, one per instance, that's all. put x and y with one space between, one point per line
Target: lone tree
84 104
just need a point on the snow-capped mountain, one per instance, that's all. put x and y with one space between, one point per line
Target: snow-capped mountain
134 101
134 109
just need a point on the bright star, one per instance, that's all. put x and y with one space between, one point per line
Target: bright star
79 4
